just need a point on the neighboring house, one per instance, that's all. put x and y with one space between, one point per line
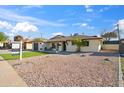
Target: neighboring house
27 44
121 46
65 43
5 45
111 45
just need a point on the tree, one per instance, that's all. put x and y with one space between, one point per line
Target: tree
109 35
18 38
39 39
3 37
79 42
75 34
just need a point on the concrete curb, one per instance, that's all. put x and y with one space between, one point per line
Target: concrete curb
120 74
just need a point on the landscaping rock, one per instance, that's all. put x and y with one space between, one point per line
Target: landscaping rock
68 71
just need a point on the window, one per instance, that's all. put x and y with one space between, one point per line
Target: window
86 43
73 43
53 45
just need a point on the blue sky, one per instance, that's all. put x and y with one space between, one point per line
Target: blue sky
31 21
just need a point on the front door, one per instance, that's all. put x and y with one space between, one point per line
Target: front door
64 46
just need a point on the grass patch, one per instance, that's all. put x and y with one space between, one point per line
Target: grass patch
9 56
122 64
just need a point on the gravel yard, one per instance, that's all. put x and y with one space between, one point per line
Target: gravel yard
93 69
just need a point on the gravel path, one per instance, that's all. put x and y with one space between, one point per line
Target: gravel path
69 70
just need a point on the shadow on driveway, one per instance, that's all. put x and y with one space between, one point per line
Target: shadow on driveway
105 54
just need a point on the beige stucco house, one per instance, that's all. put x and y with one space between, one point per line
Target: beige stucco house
27 44
65 43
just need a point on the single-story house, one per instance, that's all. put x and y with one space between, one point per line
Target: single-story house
65 43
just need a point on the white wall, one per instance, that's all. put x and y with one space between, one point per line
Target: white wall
40 46
61 46
94 46
29 46
1 44
49 45
70 47
110 46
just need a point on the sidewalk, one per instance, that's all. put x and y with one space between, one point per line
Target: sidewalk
9 77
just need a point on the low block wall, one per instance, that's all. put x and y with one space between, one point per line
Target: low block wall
110 46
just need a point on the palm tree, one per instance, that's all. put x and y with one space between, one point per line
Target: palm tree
3 37
79 42
18 38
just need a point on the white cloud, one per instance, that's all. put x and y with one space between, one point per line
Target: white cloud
76 24
9 34
61 20
90 27
105 9
12 16
24 27
88 8
88 20
57 33
5 25
84 25
33 6
19 27
87 26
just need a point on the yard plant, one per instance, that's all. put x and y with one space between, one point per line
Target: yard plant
80 43
3 37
